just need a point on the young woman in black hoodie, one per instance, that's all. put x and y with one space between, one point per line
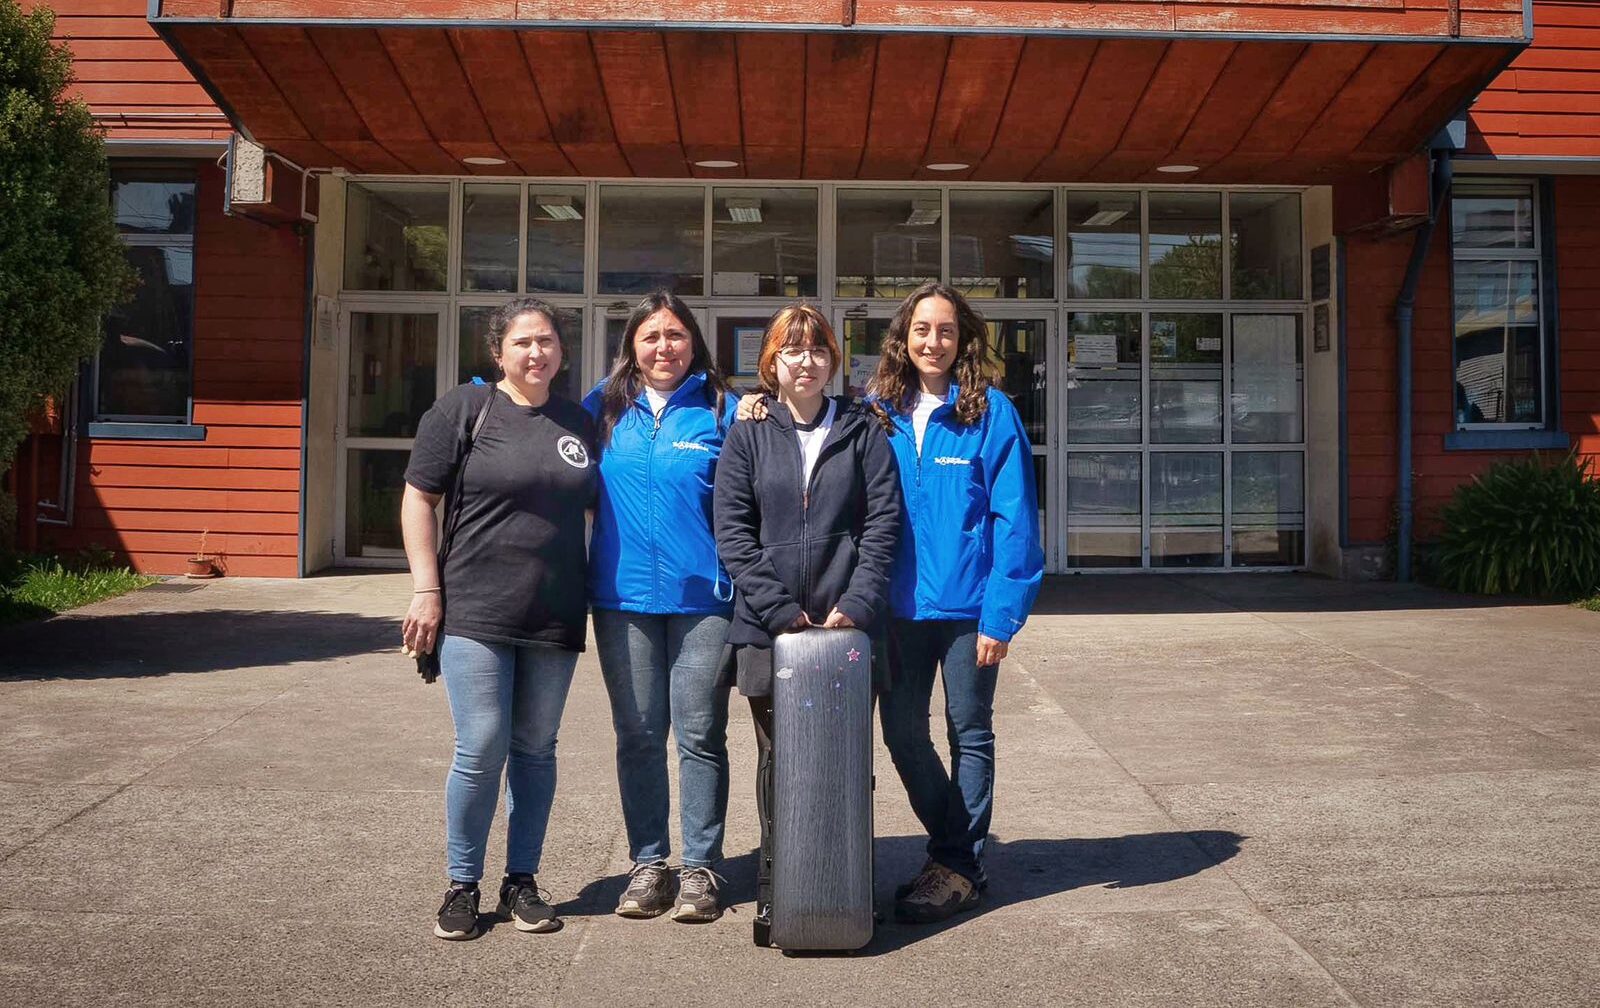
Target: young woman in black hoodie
807 509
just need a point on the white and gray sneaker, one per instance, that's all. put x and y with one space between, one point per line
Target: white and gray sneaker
697 896
649 892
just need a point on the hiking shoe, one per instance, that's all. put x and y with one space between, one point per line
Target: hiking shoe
458 915
939 894
523 905
903 890
649 892
697 897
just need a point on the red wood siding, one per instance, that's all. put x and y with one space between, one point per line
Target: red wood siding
1547 104
134 84
150 500
1376 269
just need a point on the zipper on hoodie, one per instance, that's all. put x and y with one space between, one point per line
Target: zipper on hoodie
650 495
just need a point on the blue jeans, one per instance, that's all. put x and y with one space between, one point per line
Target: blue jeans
506 702
953 805
662 669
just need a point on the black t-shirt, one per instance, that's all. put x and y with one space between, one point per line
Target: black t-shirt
516 569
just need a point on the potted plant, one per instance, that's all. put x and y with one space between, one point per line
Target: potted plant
202 564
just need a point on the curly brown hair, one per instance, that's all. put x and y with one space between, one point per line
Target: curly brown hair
895 384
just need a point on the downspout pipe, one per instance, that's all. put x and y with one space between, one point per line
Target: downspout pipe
1405 316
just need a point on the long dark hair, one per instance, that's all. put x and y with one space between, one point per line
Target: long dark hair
625 382
895 383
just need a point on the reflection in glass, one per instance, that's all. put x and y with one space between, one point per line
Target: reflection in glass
1020 345
1265 241
764 242
861 339
396 235
1103 509
616 325
652 237
1267 375
157 204
1185 245
374 479
490 219
555 239
474 360
1103 378
737 346
1269 518
1185 378
144 352
888 241
1491 217
1103 245
393 377
1497 345
1002 244
1185 509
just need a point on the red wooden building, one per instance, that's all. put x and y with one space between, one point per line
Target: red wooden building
1247 262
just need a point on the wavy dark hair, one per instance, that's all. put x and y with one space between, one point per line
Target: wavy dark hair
506 315
895 384
625 381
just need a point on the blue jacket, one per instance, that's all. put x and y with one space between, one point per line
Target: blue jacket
653 550
970 545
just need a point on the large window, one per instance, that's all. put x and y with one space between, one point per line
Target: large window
143 371
1500 357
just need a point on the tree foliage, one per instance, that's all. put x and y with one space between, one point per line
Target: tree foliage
62 266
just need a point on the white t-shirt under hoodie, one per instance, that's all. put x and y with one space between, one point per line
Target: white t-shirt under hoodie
926 404
811 437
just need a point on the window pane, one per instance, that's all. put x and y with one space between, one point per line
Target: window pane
1104 400
1002 244
474 360
737 347
1498 377
1185 509
1185 379
1185 245
1103 245
490 220
1267 374
374 479
397 235
152 205
144 354
1266 245
393 379
888 241
652 238
1491 217
1269 514
861 340
1104 509
1020 344
555 239
764 242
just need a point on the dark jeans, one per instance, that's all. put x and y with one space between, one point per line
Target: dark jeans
954 804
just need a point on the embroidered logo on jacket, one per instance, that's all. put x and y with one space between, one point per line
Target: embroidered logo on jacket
691 446
951 460
572 452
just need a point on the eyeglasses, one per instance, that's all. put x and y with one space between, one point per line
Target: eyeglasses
805 355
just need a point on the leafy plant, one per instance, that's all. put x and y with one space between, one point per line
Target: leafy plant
1525 527
34 587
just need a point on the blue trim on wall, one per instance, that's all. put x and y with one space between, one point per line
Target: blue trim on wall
1511 440
146 431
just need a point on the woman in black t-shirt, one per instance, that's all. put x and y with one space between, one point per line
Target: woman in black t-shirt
508 609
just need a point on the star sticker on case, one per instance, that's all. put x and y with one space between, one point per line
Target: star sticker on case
853 655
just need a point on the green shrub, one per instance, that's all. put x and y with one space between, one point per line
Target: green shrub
1528 527
32 587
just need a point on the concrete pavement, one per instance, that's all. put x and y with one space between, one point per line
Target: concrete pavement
1250 790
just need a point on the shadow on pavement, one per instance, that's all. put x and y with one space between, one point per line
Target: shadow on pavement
164 643
1152 594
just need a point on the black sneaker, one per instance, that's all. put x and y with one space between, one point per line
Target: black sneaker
523 905
649 892
458 915
697 897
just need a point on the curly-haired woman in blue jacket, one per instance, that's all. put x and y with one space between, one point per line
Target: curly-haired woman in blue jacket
966 571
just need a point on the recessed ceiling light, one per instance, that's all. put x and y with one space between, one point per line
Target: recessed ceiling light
483 161
716 164
1178 169
948 166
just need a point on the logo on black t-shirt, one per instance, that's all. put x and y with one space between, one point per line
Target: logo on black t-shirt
573 452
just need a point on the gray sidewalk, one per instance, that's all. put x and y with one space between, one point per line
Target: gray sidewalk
1258 790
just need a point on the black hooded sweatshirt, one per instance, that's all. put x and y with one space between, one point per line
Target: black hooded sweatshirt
826 545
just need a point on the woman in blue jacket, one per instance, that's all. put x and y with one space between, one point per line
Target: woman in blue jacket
966 571
662 601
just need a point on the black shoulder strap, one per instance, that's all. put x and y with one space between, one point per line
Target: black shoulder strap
452 503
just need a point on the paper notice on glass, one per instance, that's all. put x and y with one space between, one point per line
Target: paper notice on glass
1095 348
1266 364
747 341
1211 344
862 368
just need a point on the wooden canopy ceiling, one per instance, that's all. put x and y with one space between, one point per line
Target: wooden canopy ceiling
834 104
